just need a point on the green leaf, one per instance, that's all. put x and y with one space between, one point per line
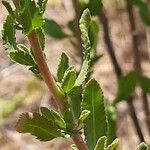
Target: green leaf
83 73
112 124
95 6
22 57
126 87
101 143
54 30
145 83
62 67
41 37
8 34
29 15
42 4
143 10
75 98
53 116
84 24
9 8
93 35
68 117
37 125
96 123
68 81
113 145
84 28
142 146
84 115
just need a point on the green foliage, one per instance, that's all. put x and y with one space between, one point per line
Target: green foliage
95 6
113 145
112 123
143 10
68 81
74 99
84 115
54 117
18 52
84 27
126 86
142 146
54 30
102 144
42 4
62 67
29 16
84 102
39 126
145 83
8 7
96 123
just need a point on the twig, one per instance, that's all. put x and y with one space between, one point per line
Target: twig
137 61
103 19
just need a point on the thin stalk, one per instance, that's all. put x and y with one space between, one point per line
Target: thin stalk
103 19
137 61
46 74
49 80
79 142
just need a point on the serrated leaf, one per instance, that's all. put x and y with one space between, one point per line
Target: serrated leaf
113 145
93 35
42 4
95 6
53 116
68 117
22 57
84 115
142 146
62 67
38 126
68 81
112 124
83 73
145 83
84 24
96 123
54 30
101 143
8 34
30 16
9 8
75 98
126 87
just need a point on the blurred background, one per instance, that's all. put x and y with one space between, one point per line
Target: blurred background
20 91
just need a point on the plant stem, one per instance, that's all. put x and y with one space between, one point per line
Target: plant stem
103 19
46 74
137 61
49 80
79 142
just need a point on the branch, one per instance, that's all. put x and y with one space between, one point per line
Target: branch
103 19
137 60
